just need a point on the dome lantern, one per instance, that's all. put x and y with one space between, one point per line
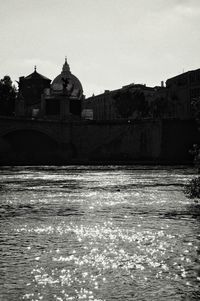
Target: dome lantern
66 67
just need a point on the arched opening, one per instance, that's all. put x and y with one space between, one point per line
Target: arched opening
31 141
30 147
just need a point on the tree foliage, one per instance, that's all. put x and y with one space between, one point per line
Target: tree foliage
193 188
127 102
158 108
8 95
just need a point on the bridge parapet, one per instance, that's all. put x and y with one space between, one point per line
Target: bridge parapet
52 129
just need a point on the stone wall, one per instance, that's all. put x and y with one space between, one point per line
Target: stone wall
117 141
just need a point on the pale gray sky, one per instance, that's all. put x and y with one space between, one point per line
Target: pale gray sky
108 43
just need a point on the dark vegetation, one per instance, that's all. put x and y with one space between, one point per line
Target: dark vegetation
8 94
128 102
193 188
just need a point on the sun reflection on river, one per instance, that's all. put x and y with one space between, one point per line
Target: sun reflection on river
99 242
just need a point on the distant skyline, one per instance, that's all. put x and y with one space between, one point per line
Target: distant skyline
108 43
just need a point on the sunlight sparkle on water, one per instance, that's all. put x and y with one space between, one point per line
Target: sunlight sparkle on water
98 234
101 250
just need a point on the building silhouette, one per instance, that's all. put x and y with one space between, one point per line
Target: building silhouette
31 88
183 90
137 101
132 124
61 99
134 101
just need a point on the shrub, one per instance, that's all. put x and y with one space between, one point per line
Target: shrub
193 188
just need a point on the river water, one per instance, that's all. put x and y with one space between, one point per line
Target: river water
98 233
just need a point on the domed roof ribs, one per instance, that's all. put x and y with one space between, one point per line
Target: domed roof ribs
66 81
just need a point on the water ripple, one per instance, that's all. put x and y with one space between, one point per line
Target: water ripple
97 233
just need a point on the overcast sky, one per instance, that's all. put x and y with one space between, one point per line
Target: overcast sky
108 43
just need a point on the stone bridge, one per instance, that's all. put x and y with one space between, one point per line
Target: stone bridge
14 125
34 141
29 140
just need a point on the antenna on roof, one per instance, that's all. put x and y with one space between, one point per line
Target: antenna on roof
35 67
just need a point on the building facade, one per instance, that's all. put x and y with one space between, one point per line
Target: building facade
30 90
183 91
131 101
176 100
39 98
64 99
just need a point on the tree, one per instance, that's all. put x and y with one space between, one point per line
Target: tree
127 102
158 107
8 95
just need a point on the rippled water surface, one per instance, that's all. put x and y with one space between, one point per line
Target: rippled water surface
97 233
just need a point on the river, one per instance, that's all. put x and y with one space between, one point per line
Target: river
98 233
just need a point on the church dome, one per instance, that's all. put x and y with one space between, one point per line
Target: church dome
66 80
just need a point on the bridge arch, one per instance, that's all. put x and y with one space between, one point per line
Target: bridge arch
30 140
40 130
29 146
27 142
